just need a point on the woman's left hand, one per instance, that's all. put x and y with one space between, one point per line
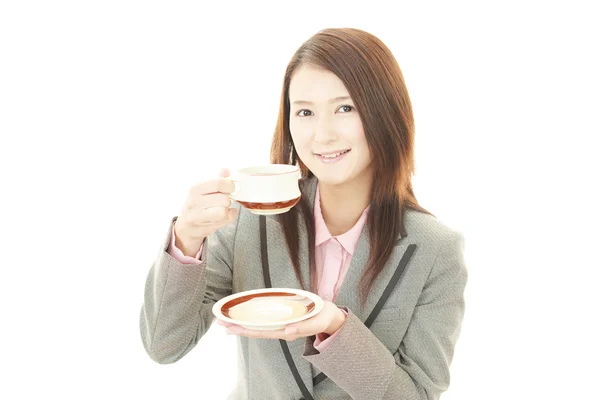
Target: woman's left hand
328 321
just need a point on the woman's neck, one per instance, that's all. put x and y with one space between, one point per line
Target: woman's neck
342 205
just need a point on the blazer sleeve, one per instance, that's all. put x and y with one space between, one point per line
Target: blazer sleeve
178 298
363 367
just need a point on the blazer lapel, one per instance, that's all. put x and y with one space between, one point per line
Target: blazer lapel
348 294
283 275
282 272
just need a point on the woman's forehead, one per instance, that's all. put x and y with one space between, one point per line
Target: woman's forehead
315 85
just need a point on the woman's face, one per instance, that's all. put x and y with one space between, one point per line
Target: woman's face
326 128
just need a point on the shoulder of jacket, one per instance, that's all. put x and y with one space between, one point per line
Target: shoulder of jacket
423 227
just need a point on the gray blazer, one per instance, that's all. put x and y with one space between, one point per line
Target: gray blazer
405 354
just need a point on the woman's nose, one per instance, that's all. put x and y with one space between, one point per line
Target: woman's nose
323 131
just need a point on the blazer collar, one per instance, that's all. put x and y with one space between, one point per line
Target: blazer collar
348 293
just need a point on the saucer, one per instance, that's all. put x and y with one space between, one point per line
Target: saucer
268 309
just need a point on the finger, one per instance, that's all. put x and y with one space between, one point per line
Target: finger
225 323
211 216
200 222
224 173
232 215
290 331
217 185
210 200
257 334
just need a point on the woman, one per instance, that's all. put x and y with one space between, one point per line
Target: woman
346 120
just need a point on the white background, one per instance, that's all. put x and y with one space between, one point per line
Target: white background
111 110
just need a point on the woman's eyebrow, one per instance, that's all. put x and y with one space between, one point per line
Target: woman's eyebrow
336 99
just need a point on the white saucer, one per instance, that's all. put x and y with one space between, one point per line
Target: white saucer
268 309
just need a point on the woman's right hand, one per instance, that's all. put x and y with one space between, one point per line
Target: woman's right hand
205 210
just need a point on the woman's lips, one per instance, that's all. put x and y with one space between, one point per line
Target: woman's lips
332 156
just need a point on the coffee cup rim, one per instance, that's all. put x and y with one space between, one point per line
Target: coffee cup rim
294 169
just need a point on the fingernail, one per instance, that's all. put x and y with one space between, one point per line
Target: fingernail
291 331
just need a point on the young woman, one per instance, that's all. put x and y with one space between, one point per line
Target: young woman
392 275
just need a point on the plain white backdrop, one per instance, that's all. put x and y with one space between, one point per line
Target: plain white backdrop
110 111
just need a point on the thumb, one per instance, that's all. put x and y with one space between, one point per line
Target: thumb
224 172
290 330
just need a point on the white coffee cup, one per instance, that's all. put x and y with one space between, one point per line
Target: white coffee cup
267 189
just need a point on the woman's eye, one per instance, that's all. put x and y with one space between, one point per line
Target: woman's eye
304 113
345 109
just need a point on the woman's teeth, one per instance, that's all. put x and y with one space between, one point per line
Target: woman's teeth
335 154
332 158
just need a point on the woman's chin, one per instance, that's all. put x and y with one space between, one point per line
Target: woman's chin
330 179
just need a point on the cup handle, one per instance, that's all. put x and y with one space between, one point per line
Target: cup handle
236 189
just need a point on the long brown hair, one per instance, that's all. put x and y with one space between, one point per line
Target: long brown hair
375 83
